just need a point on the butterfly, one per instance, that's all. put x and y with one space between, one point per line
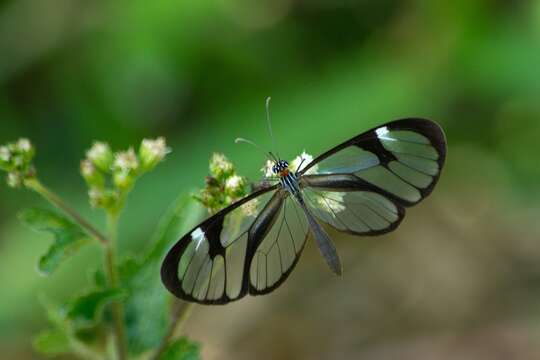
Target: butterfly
360 187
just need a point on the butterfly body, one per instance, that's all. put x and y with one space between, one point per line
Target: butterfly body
287 179
361 187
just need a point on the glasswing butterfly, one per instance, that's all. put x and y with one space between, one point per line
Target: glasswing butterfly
360 187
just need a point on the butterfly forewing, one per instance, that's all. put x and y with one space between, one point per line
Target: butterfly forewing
207 265
348 160
401 160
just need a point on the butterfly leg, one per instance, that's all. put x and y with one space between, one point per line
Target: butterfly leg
299 167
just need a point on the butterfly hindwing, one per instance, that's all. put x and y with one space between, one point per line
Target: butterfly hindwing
277 254
359 212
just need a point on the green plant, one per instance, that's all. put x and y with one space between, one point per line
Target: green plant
124 312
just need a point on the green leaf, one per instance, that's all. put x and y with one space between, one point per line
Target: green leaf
52 342
86 310
181 349
68 237
79 320
97 278
55 313
182 215
147 307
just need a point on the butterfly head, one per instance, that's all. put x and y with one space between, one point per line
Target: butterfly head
281 168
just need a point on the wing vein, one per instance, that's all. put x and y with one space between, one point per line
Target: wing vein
417 170
290 233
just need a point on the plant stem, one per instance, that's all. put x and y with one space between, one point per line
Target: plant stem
180 313
112 274
54 199
110 265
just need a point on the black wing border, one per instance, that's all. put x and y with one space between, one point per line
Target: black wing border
370 141
370 188
169 266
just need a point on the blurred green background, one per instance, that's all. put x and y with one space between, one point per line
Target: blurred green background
460 279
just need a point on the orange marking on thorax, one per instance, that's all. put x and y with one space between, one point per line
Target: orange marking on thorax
284 173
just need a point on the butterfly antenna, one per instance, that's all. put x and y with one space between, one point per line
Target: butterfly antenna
276 158
242 140
268 120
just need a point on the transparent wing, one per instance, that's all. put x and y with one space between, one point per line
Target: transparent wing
356 212
401 160
249 247
275 256
207 265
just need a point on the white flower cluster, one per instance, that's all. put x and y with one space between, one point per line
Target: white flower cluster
299 163
220 165
124 167
234 183
267 169
16 159
223 186
5 154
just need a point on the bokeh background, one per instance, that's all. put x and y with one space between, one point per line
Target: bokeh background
460 279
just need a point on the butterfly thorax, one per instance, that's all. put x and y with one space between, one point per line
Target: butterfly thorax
287 178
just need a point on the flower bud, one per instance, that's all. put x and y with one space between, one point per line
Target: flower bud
223 186
18 161
220 166
125 169
92 176
17 156
14 179
235 186
123 180
5 157
152 152
95 196
100 198
25 148
126 161
101 156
